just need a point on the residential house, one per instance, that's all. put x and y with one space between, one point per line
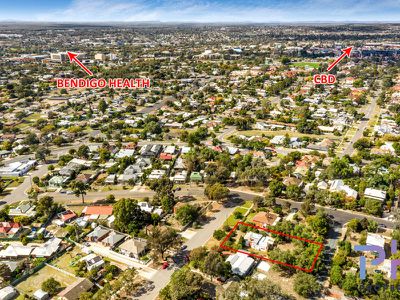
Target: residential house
98 211
48 248
145 206
16 251
258 241
277 140
375 194
196 177
150 150
57 181
125 153
73 291
111 179
41 295
179 177
92 261
338 185
25 209
85 178
157 174
375 239
9 229
65 217
133 247
241 263
166 157
98 234
170 150
263 267
18 168
113 239
8 293
179 164
264 219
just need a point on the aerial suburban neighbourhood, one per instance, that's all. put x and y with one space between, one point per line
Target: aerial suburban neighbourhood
174 161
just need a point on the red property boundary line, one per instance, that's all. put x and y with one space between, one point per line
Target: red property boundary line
268 259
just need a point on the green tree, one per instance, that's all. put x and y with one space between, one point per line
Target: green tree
251 289
51 286
306 285
276 187
214 265
307 207
197 256
350 284
42 153
103 106
219 234
319 223
83 151
79 188
165 196
184 284
373 207
336 275
129 217
293 192
45 206
216 191
162 239
363 143
187 214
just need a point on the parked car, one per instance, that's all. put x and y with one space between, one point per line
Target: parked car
165 265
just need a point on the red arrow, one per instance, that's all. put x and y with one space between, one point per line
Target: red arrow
346 52
72 57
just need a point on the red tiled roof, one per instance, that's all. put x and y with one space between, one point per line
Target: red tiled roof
265 218
7 226
165 156
68 215
98 210
217 148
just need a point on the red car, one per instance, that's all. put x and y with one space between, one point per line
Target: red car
165 265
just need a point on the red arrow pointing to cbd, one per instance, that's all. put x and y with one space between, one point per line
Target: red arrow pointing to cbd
72 57
346 52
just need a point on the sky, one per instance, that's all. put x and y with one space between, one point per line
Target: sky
266 11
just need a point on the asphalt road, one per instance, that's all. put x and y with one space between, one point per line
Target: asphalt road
340 216
362 126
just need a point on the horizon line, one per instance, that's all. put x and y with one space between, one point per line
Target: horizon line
201 22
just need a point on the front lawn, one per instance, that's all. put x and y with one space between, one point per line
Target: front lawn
232 220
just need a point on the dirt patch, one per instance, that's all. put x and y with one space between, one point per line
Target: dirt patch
285 283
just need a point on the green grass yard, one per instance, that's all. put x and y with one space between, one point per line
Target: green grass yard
247 204
306 63
231 221
68 260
